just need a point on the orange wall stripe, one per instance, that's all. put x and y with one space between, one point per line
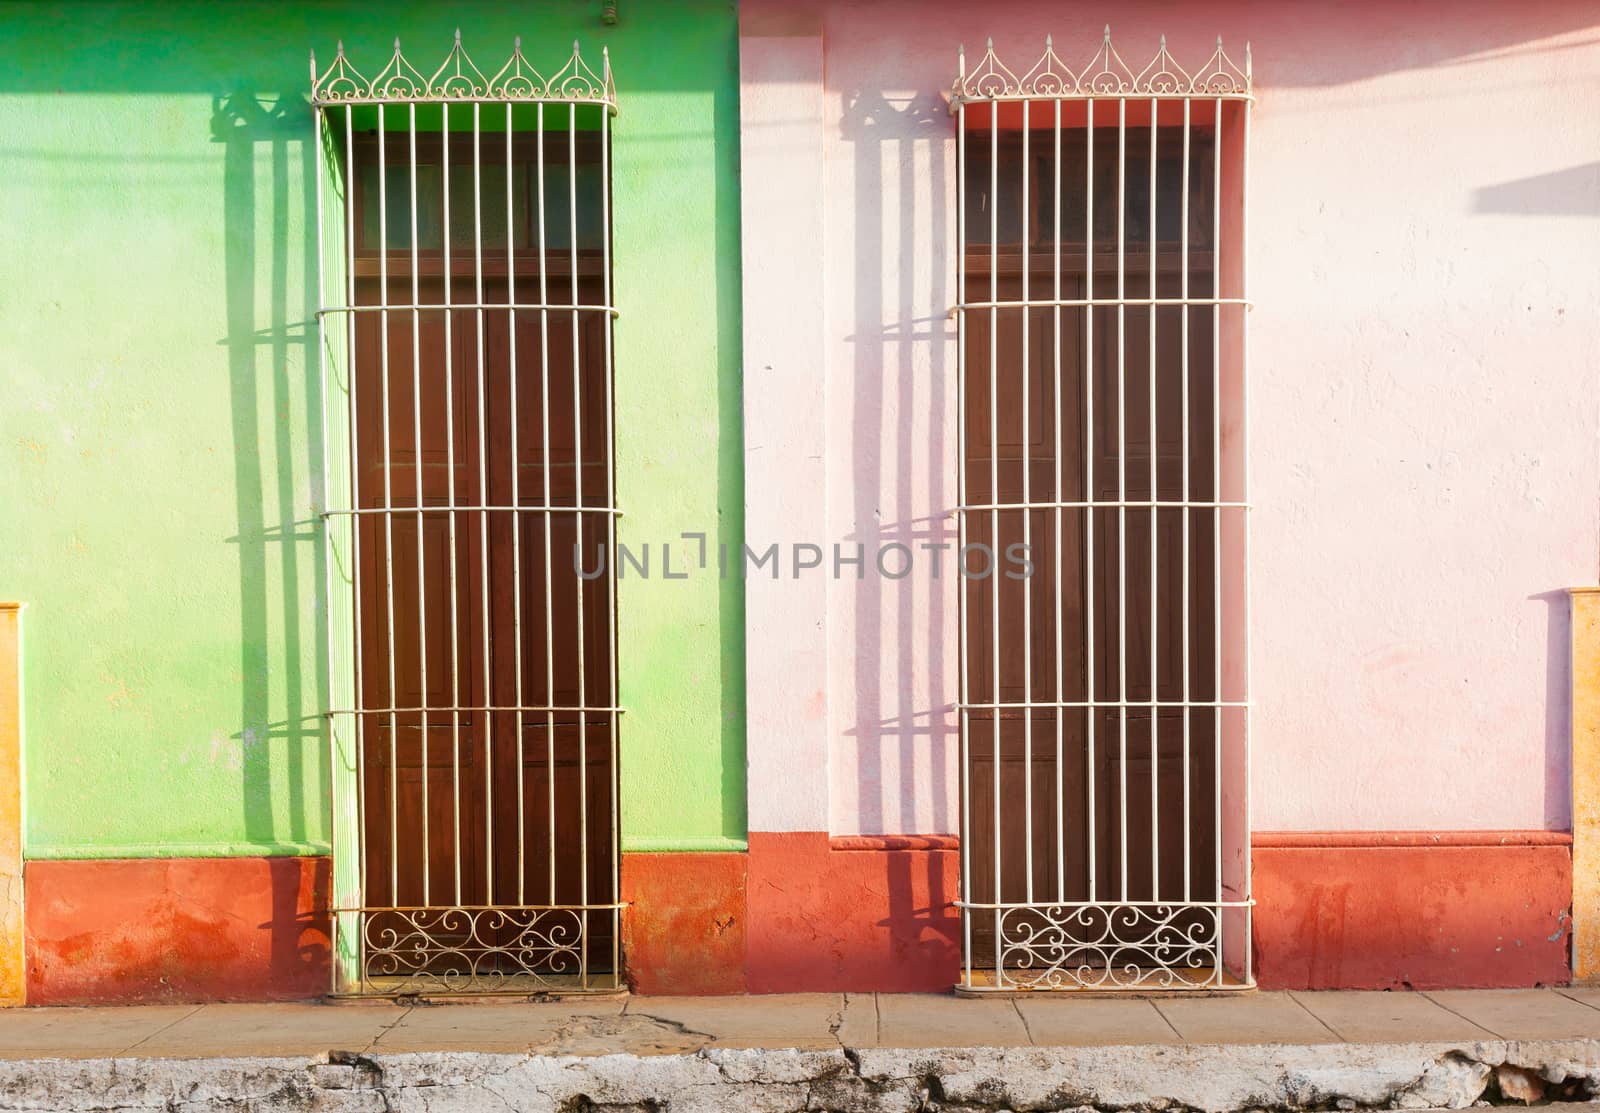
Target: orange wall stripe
1585 783
12 980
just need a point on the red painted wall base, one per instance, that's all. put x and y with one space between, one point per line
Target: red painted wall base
1363 910
178 929
684 928
1400 910
829 919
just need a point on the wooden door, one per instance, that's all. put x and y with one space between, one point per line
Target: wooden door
1132 794
508 803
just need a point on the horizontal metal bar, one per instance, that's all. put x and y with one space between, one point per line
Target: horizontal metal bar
1215 905
554 708
399 307
341 102
1160 504
476 510
1080 303
1087 95
1036 705
369 908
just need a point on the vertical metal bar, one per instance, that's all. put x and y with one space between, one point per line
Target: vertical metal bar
964 724
1244 497
1090 495
416 473
1058 587
388 511
516 498
614 695
483 512
994 501
1183 359
1155 517
338 833
314 158
355 500
549 518
1122 491
1027 527
450 477
577 517
1216 510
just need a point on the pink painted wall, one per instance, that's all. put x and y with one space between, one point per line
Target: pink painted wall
1425 230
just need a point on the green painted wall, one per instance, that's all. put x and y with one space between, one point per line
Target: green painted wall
160 420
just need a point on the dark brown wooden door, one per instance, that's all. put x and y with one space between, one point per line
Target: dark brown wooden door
1044 756
494 813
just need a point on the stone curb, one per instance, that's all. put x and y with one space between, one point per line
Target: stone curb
1212 1078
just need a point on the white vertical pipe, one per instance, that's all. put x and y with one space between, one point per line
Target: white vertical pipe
964 696
1183 358
483 513
516 500
1122 490
355 524
450 466
614 696
1155 517
994 500
1090 495
1060 496
549 518
416 474
577 516
388 512
314 160
1216 511
1244 496
1027 528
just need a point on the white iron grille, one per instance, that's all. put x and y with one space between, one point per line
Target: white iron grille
428 897
1085 908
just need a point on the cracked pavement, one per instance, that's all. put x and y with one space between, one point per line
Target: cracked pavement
815 1052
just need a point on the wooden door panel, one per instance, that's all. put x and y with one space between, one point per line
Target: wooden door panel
398 742
447 389
435 772
554 649
1116 784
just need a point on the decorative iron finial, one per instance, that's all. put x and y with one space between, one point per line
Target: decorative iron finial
1049 76
1106 75
458 78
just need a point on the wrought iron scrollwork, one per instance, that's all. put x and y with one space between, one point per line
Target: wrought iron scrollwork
1105 75
1109 946
458 78
460 950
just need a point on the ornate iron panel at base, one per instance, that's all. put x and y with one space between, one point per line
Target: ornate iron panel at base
1105 946
477 951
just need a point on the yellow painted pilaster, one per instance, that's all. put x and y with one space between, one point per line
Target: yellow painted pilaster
11 961
1585 783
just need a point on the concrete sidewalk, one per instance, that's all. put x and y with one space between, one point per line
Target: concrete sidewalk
1445 1049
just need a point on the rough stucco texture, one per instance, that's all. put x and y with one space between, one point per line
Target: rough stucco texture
685 925
150 931
1417 917
1421 402
824 919
162 471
